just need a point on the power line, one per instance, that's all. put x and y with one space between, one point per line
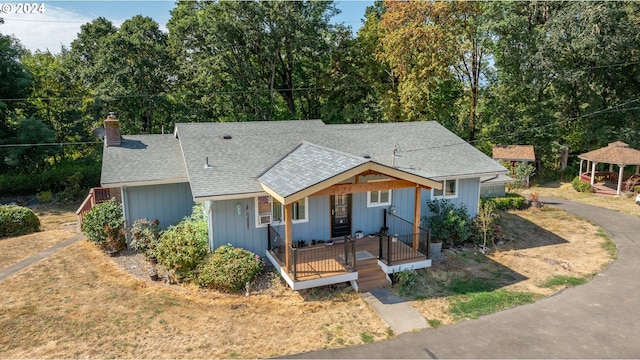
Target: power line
51 144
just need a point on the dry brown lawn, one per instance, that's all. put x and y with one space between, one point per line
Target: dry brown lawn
565 191
56 224
79 303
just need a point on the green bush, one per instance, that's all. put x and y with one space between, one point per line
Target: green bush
409 282
17 220
508 202
580 186
448 222
44 197
183 247
229 269
145 237
104 225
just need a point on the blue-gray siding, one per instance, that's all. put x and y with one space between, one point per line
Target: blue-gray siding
241 231
168 203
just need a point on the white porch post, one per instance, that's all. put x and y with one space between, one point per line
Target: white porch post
593 172
620 174
580 172
610 167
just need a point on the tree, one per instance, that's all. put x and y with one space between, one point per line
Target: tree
253 60
436 51
484 221
28 156
15 81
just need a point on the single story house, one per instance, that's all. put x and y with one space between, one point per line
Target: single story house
317 200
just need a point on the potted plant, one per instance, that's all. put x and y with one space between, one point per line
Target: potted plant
534 199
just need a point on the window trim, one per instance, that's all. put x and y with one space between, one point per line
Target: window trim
281 222
444 190
371 204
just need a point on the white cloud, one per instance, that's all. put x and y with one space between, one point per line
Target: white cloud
50 30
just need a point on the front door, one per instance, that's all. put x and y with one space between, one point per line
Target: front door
340 215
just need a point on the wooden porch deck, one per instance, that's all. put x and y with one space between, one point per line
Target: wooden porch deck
370 275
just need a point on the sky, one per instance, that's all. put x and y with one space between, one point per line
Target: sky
53 24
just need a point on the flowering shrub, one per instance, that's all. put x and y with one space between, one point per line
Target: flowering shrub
145 237
17 220
104 225
229 269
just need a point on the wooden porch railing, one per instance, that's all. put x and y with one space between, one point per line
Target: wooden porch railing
313 260
95 196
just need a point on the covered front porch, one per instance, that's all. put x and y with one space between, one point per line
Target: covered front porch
365 261
314 171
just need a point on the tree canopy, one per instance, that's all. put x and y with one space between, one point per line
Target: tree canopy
562 76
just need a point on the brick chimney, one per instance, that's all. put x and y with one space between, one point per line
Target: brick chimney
112 130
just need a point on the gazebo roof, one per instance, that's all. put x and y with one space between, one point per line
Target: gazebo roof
615 153
514 152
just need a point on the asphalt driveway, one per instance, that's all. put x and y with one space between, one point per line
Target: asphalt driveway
600 319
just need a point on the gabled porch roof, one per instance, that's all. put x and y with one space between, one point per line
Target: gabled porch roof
310 168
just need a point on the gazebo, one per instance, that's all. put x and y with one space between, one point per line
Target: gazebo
617 153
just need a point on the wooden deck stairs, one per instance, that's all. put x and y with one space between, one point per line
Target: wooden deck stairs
370 276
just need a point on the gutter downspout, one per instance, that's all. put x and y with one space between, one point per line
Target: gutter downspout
208 211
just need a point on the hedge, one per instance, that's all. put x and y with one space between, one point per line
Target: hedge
508 202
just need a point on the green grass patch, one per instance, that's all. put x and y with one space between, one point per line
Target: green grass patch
474 305
563 281
434 323
366 338
608 244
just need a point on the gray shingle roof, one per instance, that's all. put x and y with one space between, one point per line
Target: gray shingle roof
426 149
143 159
307 165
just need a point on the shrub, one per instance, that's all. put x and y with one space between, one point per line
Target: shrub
44 197
409 282
145 237
580 186
104 225
183 247
17 220
229 269
508 202
448 222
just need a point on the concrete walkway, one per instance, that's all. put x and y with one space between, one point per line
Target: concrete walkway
395 311
600 319
11 270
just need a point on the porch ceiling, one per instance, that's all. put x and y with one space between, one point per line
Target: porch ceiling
310 168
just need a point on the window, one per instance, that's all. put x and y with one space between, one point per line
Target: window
379 198
270 211
449 189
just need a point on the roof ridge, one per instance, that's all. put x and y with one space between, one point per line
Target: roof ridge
279 160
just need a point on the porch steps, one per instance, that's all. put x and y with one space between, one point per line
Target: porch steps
370 276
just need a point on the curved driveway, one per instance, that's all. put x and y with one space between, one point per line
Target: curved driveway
600 319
